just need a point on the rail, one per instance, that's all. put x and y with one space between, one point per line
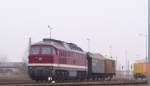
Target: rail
96 83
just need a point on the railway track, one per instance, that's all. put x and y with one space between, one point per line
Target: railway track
97 83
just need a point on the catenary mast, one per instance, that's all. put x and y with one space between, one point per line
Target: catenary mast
148 38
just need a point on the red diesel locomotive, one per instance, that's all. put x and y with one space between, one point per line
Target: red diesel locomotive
53 59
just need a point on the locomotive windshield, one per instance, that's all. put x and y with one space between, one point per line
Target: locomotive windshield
41 50
35 50
46 50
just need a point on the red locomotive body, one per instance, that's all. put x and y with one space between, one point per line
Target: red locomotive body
54 59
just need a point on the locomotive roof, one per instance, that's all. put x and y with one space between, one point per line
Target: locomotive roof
60 44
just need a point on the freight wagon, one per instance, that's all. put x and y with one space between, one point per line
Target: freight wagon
140 69
100 68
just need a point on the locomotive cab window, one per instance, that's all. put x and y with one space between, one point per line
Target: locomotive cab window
46 50
35 50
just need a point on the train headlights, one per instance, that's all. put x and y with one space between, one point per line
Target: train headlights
30 68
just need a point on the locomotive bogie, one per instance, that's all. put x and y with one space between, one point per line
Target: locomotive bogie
44 73
40 73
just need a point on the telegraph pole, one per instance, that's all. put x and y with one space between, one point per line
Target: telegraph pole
126 62
146 46
30 42
110 50
148 39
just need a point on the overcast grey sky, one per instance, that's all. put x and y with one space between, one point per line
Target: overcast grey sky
105 22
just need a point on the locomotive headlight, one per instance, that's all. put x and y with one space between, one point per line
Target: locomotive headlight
30 68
